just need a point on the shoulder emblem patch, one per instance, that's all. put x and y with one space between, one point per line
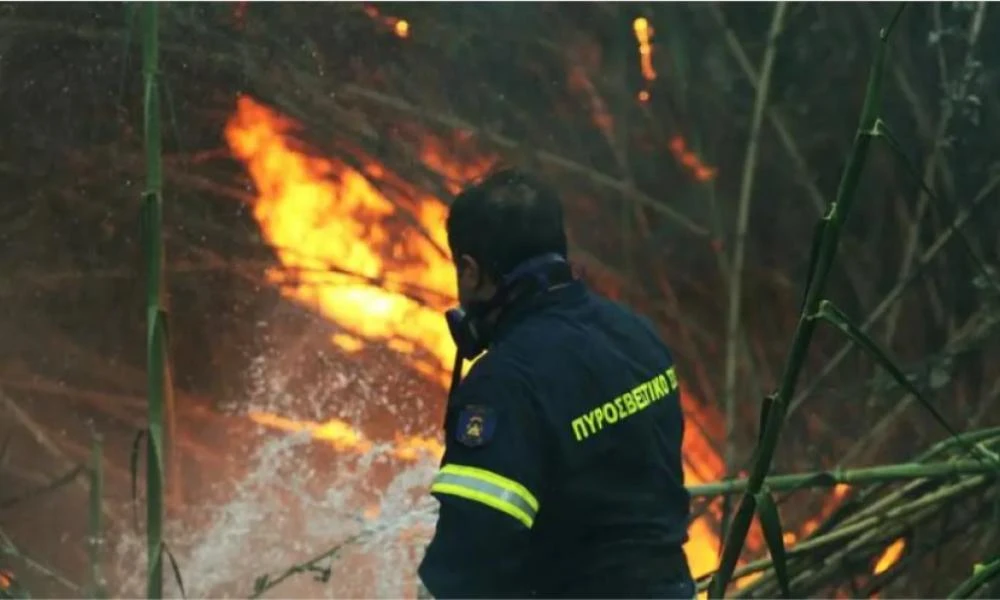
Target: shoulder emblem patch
476 425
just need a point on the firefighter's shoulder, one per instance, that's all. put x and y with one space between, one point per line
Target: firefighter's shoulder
492 450
494 394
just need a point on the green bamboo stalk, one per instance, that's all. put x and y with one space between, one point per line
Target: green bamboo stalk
858 549
879 474
981 575
847 514
155 334
895 526
869 499
775 406
984 437
912 512
96 537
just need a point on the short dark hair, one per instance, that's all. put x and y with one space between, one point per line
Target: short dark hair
505 219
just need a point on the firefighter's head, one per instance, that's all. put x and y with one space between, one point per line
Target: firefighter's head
498 223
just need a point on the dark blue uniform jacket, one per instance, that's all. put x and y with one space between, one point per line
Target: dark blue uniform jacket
562 468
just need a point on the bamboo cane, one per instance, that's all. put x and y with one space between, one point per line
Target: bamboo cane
824 250
96 525
155 325
879 474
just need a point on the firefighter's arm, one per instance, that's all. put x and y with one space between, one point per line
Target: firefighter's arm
489 487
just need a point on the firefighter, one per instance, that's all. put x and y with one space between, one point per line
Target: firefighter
561 475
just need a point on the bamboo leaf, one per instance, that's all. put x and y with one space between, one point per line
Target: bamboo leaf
322 574
770 524
260 584
939 377
176 570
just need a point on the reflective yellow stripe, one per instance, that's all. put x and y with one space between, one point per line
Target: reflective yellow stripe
486 487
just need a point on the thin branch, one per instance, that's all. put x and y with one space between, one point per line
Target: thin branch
7 547
53 485
733 329
774 117
40 436
931 166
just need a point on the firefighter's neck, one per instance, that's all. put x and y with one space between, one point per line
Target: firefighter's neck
515 299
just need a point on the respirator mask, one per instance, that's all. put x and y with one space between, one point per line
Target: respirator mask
471 327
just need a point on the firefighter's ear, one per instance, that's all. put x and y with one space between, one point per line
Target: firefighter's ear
470 278
468 270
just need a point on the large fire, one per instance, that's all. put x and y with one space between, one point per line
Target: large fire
341 237
332 229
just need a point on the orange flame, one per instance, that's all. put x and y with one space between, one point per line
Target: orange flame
345 438
399 26
643 35
6 579
890 556
690 160
331 229
342 239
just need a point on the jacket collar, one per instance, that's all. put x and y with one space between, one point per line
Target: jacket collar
562 295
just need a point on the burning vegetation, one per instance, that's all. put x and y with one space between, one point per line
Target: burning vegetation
372 260
691 178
